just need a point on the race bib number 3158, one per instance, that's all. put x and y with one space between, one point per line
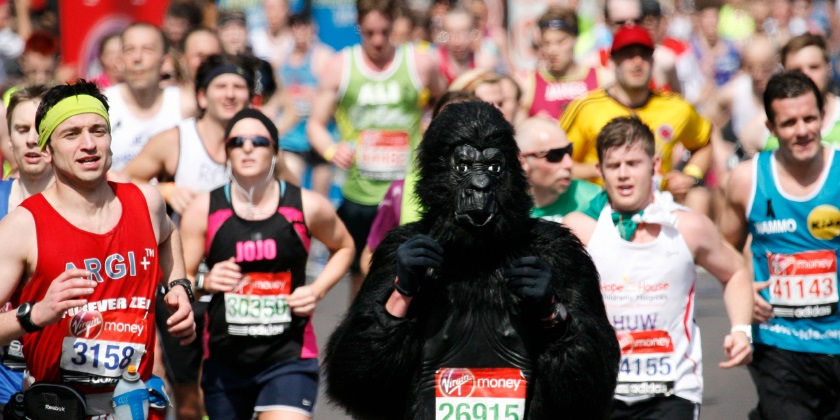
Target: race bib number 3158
480 393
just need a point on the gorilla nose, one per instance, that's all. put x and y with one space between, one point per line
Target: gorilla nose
480 181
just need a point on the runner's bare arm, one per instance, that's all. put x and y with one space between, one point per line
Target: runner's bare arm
17 260
289 117
427 68
158 158
181 323
323 107
193 233
326 227
733 222
726 264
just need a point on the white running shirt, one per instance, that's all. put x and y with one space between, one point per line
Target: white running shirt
128 133
648 292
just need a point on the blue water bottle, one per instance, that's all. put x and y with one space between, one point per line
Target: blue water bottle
131 398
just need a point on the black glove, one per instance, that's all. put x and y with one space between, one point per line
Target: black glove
530 279
414 256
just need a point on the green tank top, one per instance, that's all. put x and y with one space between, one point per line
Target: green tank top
379 114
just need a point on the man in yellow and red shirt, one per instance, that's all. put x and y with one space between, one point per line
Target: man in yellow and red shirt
672 119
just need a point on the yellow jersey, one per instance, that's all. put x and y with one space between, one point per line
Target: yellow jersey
671 118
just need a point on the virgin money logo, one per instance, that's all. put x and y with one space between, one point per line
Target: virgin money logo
456 382
86 324
779 263
625 341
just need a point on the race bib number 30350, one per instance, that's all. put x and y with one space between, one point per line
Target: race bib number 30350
804 284
259 301
480 393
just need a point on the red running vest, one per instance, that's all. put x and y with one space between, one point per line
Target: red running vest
552 96
92 345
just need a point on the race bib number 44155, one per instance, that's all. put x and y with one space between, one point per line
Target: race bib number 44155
480 393
804 284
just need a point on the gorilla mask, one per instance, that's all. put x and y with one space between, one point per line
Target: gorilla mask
471 184
477 174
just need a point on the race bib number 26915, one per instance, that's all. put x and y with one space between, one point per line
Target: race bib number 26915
480 393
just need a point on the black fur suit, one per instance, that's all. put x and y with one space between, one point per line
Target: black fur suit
466 314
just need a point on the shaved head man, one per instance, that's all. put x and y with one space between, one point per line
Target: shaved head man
546 158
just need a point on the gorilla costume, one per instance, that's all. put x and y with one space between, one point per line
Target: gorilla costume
505 319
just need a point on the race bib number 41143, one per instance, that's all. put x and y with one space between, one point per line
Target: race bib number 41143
804 284
480 393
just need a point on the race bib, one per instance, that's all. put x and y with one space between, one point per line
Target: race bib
480 393
647 365
383 155
258 307
803 285
97 348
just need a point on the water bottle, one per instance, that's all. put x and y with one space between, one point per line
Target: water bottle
131 398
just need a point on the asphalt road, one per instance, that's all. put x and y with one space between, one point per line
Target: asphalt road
729 394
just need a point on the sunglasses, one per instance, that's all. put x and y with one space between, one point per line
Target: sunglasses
257 141
551 155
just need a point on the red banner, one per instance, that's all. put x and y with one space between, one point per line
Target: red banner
84 23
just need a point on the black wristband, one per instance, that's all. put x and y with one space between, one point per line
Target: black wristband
24 316
187 286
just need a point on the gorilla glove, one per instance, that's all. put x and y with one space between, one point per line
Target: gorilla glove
414 257
530 279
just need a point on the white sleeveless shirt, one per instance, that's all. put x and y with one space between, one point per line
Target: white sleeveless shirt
196 169
128 133
648 292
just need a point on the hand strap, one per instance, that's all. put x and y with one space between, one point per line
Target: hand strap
187 286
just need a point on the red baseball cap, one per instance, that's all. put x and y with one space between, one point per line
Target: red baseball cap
631 35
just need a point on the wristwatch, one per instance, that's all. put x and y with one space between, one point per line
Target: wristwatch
187 286
24 316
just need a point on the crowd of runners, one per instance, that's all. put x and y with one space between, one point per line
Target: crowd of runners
160 211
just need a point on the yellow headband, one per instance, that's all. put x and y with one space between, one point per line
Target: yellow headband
66 108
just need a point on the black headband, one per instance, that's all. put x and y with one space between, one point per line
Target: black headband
561 25
227 68
257 115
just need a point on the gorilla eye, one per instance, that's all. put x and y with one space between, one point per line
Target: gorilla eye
495 168
462 167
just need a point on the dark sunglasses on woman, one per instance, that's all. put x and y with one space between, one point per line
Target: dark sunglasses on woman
257 141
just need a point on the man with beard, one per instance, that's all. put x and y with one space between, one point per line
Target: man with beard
477 305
